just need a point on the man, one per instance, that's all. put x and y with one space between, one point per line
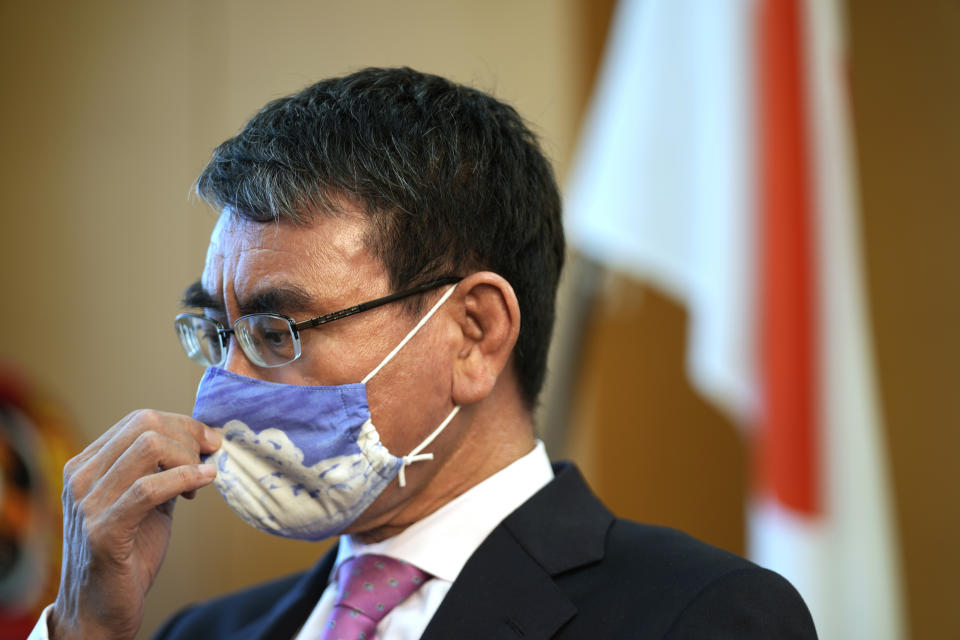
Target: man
376 308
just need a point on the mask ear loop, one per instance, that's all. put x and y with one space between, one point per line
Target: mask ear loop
415 455
413 332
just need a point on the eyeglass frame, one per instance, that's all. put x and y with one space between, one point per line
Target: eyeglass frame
223 333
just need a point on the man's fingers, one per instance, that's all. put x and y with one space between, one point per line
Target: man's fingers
84 470
153 490
112 434
191 432
150 452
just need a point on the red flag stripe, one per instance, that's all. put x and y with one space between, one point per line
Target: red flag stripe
787 455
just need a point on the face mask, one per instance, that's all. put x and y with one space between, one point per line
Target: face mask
301 461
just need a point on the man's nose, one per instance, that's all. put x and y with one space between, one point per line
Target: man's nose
238 362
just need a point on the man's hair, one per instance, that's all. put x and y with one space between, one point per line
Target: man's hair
452 180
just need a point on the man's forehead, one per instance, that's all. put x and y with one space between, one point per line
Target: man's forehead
247 255
333 232
233 234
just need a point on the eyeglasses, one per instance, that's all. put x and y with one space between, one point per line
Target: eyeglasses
268 339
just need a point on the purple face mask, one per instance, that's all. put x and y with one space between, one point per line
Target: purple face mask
301 461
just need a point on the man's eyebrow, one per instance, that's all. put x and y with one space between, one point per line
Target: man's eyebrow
286 298
196 297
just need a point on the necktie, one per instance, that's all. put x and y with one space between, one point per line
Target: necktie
369 587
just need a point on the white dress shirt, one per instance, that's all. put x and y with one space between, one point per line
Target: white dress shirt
440 544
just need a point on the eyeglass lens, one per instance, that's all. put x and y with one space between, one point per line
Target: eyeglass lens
200 339
268 340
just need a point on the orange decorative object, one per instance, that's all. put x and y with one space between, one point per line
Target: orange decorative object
35 442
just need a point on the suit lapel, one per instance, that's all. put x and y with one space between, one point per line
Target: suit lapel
507 588
510 598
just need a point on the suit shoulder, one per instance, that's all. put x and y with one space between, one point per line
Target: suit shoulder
660 549
750 602
660 582
225 615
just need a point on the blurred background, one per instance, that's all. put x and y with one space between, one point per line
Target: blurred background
757 337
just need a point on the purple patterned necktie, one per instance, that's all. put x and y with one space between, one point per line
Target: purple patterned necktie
369 587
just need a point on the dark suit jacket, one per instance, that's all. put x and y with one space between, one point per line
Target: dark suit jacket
560 566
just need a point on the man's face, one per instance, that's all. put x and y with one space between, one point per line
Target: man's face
304 272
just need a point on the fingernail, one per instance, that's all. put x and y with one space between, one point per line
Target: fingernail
207 470
214 438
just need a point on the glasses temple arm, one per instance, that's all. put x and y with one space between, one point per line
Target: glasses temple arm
366 306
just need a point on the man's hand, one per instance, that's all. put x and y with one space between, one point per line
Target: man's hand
118 502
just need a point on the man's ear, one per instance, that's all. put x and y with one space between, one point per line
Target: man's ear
489 318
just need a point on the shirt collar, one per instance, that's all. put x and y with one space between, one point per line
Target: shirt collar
441 543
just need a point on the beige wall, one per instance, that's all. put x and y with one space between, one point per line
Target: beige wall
109 109
905 87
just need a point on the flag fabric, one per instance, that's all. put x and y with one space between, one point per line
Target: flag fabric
716 162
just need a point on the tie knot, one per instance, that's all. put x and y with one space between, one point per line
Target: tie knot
372 585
